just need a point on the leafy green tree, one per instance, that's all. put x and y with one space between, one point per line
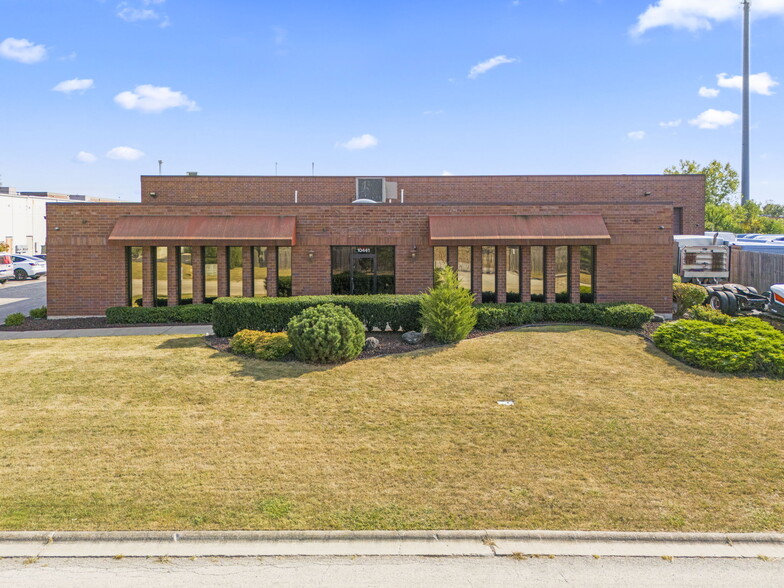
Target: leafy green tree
723 211
721 181
774 210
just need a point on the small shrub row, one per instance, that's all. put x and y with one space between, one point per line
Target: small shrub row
326 334
620 316
190 313
260 344
740 345
14 319
231 315
38 313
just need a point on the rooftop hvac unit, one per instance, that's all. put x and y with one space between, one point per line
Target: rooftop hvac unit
375 189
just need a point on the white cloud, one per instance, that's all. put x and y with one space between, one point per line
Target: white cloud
361 142
22 50
636 135
713 119
670 124
70 57
485 66
149 98
760 83
125 153
708 92
447 173
85 157
135 12
73 85
694 15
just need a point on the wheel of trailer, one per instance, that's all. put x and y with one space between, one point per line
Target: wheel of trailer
718 301
732 304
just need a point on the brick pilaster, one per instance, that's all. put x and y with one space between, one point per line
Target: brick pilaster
451 257
476 272
549 273
197 258
574 274
500 274
223 271
172 276
148 277
272 272
247 272
525 273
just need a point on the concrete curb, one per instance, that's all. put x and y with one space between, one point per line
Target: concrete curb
486 543
127 331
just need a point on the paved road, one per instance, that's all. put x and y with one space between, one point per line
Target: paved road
453 572
22 296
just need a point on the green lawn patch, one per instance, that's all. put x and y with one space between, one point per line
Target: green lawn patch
606 433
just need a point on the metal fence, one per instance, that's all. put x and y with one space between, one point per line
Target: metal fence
760 270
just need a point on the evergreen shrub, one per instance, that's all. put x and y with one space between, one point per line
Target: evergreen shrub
447 309
326 334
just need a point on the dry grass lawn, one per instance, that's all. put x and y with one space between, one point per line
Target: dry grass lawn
166 433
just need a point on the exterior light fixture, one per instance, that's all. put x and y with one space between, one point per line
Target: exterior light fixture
414 252
646 194
310 255
153 194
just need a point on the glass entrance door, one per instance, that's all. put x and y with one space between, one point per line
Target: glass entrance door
363 273
363 270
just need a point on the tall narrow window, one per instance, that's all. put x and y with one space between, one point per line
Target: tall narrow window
439 261
160 277
134 256
234 265
284 272
259 271
185 273
464 267
513 273
562 274
488 274
210 257
587 273
537 273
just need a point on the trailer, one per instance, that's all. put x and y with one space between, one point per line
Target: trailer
776 299
732 299
701 259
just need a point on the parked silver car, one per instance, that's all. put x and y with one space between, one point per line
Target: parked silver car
28 267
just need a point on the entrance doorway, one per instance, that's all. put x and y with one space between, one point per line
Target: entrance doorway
363 270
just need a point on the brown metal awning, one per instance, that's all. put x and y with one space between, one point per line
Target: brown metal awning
513 229
204 230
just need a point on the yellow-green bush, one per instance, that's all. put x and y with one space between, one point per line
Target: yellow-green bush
687 296
272 346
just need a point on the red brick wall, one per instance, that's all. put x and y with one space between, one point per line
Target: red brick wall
86 275
684 191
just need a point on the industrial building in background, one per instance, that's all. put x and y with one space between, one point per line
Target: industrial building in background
23 218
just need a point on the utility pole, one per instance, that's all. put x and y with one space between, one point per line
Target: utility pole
160 166
745 195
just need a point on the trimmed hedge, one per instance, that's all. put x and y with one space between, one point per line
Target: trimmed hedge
742 345
620 316
231 315
189 313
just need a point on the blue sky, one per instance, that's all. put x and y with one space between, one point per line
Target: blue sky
380 88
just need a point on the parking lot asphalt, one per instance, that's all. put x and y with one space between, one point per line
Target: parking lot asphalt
21 296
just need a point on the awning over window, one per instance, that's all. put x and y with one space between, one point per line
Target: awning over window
204 230
512 229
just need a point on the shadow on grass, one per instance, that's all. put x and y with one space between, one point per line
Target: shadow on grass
187 342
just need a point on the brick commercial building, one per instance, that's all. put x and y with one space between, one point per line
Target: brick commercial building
551 238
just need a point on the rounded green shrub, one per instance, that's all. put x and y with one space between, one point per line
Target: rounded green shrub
14 319
676 279
38 313
627 316
272 346
447 309
326 334
740 346
687 296
709 315
244 342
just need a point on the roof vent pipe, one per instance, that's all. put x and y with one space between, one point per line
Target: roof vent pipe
402 195
295 196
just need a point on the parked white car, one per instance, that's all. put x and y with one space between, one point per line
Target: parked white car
28 267
6 268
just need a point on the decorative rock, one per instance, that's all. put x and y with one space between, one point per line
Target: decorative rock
413 337
371 343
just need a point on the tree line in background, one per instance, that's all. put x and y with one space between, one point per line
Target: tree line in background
723 210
